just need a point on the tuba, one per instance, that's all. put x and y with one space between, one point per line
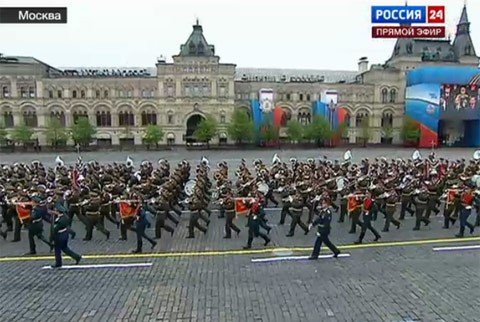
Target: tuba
59 162
347 156
205 162
276 159
129 162
416 156
476 155
189 186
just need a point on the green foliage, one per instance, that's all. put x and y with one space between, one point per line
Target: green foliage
410 131
153 134
319 130
3 133
83 131
56 132
241 128
22 134
268 132
295 131
206 130
342 130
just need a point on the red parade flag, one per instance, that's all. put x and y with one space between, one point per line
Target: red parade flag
23 212
127 210
241 208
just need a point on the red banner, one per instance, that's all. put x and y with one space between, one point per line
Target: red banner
127 210
240 206
23 212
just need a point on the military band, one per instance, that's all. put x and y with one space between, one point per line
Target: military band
133 198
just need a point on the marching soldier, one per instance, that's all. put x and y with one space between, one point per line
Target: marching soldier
195 206
390 207
406 200
254 225
60 240
162 209
467 199
420 200
229 205
92 212
141 223
452 206
323 221
35 226
296 211
367 219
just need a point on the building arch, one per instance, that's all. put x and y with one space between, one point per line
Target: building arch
246 109
192 123
170 138
287 114
29 113
79 111
362 115
148 107
7 115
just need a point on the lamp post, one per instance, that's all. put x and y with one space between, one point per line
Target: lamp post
332 107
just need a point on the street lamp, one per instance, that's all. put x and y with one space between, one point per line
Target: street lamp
332 107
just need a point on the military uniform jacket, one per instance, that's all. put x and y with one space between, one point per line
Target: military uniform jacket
61 224
323 221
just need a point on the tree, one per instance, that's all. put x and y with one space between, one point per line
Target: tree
22 134
153 134
3 134
206 130
269 133
365 131
56 132
319 130
410 131
388 134
295 131
241 128
83 132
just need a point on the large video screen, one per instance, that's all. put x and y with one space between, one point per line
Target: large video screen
460 102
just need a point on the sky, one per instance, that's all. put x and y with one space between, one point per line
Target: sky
306 34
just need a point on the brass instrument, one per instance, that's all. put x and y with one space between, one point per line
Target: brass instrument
129 162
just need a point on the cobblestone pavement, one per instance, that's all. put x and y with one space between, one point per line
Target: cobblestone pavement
395 283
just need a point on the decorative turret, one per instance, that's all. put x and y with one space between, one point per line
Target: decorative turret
196 44
462 44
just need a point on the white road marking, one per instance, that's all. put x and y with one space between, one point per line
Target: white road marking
94 266
453 248
294 258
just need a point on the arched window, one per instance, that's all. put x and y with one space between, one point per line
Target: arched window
104 119
384 96
79 114
58 115
387 119
348 118
149 118
286 117
393 95
126 119
8 119
30 118
304 117
361 118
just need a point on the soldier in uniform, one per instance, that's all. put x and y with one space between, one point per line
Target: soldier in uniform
343 204
195 206
296 211
390 207
323 221
355 211
60 240
254 225
367 219
406 200
229 205
92 212
420 200
467 200
162 209
35 226
141 223
452 206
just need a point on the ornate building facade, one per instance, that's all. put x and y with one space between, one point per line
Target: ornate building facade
121 102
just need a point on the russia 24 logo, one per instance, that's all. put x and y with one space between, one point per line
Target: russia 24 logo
430 109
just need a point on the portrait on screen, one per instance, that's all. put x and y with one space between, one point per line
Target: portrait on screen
460 97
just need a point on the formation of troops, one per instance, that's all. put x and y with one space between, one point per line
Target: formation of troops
45 200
